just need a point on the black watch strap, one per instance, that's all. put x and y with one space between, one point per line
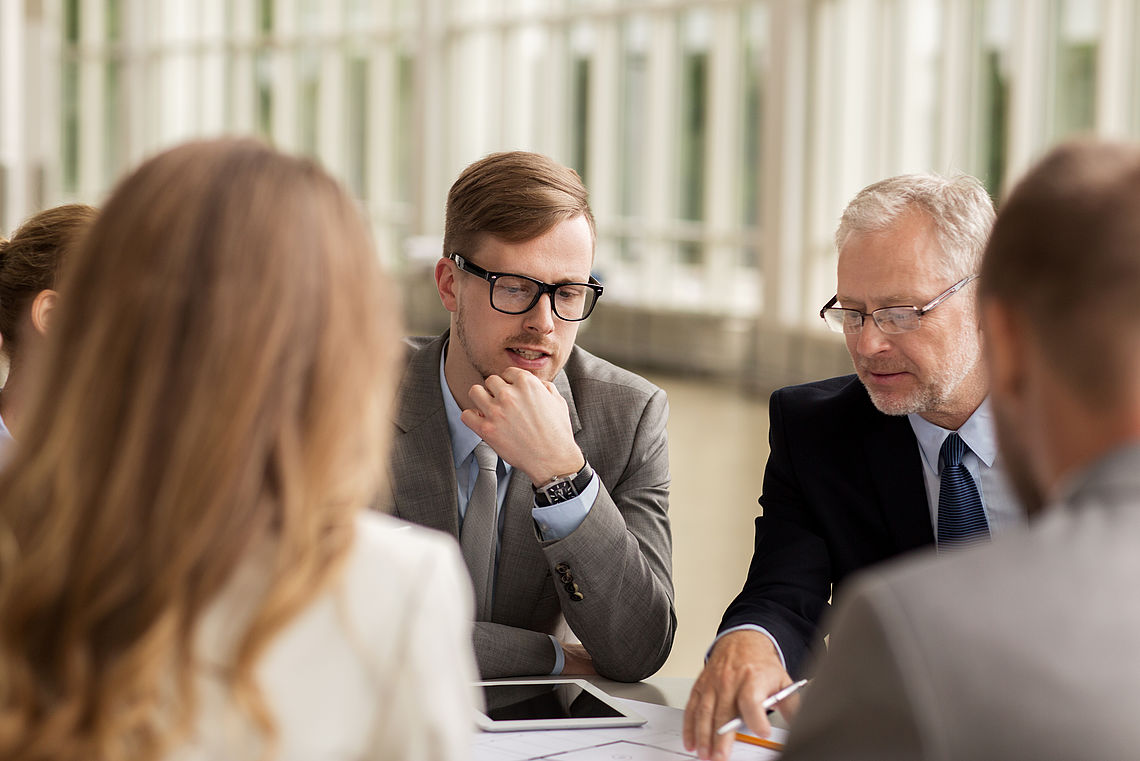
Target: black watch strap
578 485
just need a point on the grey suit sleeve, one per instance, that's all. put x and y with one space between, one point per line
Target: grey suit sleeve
503 651
865 703
620 557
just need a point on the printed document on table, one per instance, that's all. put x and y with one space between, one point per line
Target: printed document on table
659 739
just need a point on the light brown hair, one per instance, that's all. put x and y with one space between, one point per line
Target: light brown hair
216 382
1065 253
514 196
31 260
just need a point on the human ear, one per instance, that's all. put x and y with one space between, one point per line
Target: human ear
445 277
1004 349
42 307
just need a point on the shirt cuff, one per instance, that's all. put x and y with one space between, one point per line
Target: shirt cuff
559 521
559 656
751 628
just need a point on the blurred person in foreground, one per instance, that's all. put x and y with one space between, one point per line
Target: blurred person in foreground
30 265
866 467
550 465
186 570
1025 649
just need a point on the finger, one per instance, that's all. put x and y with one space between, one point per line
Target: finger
495 384
790 707
750 703
480 397
698 716
722 746
474 419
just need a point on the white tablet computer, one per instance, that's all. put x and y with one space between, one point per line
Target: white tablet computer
519 704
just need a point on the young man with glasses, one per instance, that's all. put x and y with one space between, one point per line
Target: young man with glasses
866 467
549 465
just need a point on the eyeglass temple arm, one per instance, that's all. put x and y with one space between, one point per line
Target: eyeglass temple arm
828 305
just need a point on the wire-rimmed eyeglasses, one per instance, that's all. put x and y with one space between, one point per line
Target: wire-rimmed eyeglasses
516 294
901 319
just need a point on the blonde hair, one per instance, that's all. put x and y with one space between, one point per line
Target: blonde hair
217 381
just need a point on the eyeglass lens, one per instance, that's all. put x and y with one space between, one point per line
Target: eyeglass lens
888 320
515 295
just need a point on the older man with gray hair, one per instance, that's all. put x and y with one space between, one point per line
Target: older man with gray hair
866 467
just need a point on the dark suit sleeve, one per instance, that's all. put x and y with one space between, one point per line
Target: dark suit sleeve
789 579
621 555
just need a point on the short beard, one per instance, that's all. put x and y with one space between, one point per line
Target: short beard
485 372
461 339
936 394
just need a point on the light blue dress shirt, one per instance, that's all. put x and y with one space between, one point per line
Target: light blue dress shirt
1003 509
554 521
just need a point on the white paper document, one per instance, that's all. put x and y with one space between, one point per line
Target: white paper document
657 740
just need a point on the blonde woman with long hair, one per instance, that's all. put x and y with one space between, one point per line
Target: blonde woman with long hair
187 569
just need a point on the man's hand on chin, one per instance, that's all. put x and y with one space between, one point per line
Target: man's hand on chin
526 421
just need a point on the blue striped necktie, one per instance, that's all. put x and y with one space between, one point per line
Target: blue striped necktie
961 519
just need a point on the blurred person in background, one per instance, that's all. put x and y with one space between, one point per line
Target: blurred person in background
30 264
187 570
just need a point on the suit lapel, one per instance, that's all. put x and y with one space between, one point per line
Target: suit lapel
426 491
896 469
562 383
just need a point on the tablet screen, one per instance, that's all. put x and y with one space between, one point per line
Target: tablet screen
520 704
550 700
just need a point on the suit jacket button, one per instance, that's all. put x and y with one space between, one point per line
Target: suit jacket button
562 568
567 578
576 596
571 587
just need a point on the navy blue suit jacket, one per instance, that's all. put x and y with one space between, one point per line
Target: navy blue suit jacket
843 489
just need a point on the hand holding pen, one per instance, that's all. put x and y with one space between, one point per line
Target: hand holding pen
768 705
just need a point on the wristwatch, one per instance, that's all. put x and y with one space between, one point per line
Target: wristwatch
561 488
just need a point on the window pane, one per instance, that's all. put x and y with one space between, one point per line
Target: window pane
356 87
993 93
1076 66
696 29
634 69
754 65
405 105
581 45
308 71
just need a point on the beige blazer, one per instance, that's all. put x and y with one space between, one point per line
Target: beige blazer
378 667
1028 648
620 558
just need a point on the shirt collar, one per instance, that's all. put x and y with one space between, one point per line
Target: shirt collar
463 439
977 433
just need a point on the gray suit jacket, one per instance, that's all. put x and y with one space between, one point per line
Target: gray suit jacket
620 556
1028 648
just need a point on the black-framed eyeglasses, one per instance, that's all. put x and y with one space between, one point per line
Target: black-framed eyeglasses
516 294
902 319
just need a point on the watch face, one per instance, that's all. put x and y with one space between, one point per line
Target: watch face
560 491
